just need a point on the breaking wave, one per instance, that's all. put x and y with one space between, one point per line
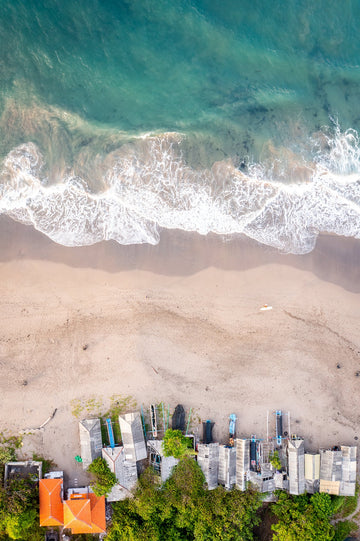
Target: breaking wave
148 186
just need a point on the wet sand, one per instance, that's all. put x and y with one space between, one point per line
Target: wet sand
179 322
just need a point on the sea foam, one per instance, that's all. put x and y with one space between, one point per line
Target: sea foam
150 186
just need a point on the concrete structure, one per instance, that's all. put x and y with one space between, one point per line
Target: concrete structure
90 440
208 460
164 464
338 470
312 472
125 471
348 478
23 469
227 466
133 436
296 466
242 462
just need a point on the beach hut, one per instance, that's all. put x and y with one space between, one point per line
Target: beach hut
132 436
242 462
164 464
348 473
90 440
227 466
312 472
124 470
208 460
296 466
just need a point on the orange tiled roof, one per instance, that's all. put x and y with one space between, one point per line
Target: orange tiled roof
51 506
85 514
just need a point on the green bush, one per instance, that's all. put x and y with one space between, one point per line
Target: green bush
275 460
303 517
183 509
104 478
343 529
19 509
176 444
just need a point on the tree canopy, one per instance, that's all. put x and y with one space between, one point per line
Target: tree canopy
183 509
19 509
303 517
104 480
176 444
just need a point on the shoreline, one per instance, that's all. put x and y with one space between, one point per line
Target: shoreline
179 322
175 254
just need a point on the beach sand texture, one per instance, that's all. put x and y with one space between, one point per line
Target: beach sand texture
181 323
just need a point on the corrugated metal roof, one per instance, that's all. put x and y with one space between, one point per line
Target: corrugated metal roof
132 436
90 440
125 470
242 462
227 466
208 460
296 466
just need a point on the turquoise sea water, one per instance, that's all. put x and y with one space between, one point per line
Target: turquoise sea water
118 119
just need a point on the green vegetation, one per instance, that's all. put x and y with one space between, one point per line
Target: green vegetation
8 446
176 444
47 463
118 405
94 407
183 509
19 510
345 505
344 529
275 461
303 517
104 478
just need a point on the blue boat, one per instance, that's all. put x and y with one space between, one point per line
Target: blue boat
232 426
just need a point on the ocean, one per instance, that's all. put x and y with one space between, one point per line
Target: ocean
120 119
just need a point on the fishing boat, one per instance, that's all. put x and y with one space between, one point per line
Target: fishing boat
153 420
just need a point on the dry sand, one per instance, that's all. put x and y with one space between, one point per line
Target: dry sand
179 323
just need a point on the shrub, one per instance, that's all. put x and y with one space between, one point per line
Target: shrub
176 444
104 478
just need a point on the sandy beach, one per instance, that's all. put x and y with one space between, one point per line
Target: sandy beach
180 323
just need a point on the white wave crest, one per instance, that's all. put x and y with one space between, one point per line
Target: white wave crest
149 187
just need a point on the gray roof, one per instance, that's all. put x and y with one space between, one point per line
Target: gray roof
90 440
227 466
296 466
339 467
242 462
132 436
208 460
167 463
125 470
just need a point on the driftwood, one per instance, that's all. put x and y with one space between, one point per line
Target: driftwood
29 430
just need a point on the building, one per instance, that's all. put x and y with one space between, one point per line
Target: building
338 470
227 466
296 466
312 473
242 462
90 441
51 506
132 436
23 469
348 479
82 512
208 460
163 464
125 471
